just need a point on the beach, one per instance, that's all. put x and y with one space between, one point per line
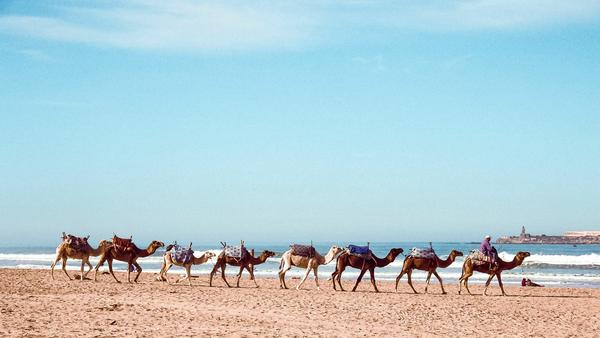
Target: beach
33 304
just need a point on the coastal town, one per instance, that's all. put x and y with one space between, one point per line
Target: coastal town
569 237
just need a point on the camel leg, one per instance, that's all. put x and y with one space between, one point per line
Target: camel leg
398 278
163 274
427 281
239 276
316 271
223 274
440 279
304 278
500 283
53 265
64 267
212 273
250 269
372 273
100 263
111 270
339 278
188 274
286 267
82 265
139 271
87 261
362 273
409 276
333 277
488 284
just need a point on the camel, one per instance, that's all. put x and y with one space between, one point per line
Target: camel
309 263
129 254
65 251
363 264
426 264
485 267
168 261
247 261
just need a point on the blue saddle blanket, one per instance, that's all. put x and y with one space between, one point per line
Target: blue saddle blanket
358 250
182 254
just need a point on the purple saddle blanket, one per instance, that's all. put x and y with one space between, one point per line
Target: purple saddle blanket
358 250
181 254
303 250
237 252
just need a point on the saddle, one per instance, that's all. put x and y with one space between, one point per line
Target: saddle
477 257
427 253
181 254
303 250
122 245
237 252
359 251
76 243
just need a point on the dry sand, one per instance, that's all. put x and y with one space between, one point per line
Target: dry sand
32 304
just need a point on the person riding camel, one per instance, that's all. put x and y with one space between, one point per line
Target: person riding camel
487 249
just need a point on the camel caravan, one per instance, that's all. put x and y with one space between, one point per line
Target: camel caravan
299 255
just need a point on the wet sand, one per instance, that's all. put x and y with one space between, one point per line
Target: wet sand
33 304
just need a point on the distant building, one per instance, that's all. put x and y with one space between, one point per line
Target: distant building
569 237
581 233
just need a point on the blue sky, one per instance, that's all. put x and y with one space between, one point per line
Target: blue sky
291 121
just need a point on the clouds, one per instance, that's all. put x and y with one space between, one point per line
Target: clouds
169 26
233 26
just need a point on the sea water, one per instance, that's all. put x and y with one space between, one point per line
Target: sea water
550 265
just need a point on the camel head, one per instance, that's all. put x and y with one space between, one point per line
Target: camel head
521 255
266 254
456 253
156 244
336 250
104 244
396 251
209 254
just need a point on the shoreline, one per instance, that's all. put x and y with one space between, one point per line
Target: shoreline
33 304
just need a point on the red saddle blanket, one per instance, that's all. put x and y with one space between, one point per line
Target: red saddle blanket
303 250
122 244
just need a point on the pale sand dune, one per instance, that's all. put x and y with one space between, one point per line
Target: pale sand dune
32 304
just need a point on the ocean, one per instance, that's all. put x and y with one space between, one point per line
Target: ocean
549 265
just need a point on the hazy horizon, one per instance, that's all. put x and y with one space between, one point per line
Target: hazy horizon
298 121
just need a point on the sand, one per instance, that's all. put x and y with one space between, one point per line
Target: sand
33 304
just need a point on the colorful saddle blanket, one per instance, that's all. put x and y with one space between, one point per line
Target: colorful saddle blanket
478 257
181 254
77 243
358 250
303 250
235 251
427 253
122 244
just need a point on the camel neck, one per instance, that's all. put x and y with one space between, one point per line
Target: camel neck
510 265
381 262
446 262
145 252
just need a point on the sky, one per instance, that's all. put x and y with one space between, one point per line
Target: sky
292 121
